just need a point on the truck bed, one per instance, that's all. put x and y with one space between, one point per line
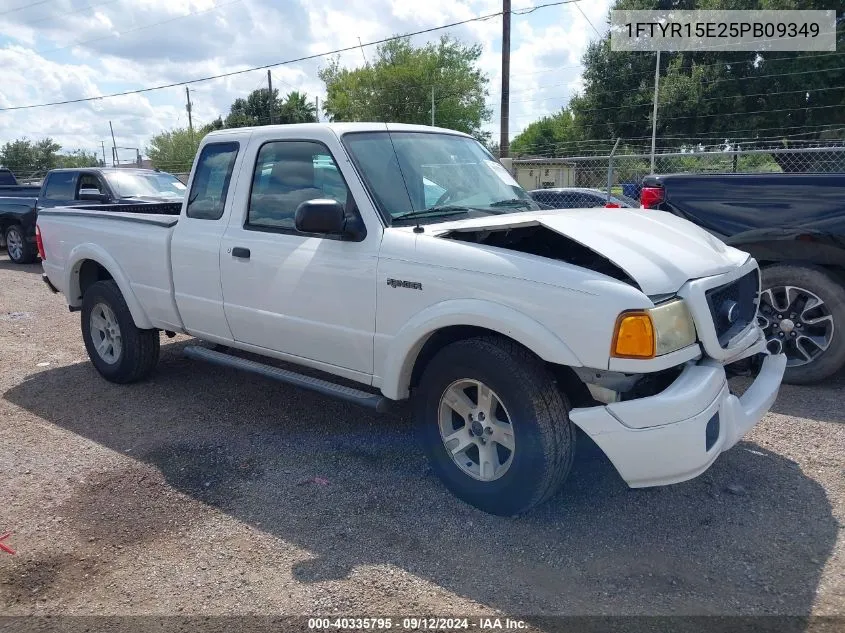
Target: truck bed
140 242
741 208
19 191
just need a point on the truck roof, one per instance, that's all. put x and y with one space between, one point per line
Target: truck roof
104 170
339 128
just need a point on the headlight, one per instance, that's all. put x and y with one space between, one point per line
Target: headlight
648 333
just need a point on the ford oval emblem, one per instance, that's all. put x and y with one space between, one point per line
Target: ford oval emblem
730 311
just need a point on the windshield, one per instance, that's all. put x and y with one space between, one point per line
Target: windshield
411 174
145 185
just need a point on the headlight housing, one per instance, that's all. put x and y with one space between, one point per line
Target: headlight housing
648 333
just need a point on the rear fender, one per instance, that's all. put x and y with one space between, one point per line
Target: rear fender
84 252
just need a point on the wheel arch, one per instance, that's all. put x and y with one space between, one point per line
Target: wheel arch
88 264
423 336
821 252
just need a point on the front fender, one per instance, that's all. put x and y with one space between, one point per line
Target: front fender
405 346
97 254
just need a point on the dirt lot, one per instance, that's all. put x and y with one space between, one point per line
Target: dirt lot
194 493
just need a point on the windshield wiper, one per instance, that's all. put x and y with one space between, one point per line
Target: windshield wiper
434 212
513 202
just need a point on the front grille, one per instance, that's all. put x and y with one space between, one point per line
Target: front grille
734 305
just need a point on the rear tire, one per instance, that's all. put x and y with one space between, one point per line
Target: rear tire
810 280
509 481
19 249
119 350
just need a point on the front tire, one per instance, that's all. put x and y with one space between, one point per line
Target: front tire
19 249
119 350
802 312
494 425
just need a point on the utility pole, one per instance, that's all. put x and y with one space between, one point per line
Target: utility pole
103 145
270 93
113 146
432 106
317 108
362 51
188 108
504 143
654 110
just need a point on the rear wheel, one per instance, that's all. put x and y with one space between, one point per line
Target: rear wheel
494 425
802 313
120 351
19 249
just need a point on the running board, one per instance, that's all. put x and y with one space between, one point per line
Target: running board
341 392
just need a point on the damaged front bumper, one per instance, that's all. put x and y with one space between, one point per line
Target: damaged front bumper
678 433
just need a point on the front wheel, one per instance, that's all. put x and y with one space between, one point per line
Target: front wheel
494 425
120 351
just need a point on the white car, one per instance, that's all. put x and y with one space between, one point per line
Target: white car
508 326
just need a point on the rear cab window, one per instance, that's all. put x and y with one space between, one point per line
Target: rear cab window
7 177
212 176
60 185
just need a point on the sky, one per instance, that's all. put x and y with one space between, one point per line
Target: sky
55 50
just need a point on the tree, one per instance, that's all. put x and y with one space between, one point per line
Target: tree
25 157
79 158
296 108
257 108
547 136
397 86
716 97
174 150
216 124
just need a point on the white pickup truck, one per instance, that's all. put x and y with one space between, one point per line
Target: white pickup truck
407 259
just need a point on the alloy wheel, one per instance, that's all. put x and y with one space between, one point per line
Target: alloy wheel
105 333
476 429
796 322
14 244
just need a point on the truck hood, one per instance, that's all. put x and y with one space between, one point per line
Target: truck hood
659 251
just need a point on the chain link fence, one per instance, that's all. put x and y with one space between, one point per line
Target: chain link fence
590 181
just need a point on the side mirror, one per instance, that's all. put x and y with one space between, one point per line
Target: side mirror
91 194
320 216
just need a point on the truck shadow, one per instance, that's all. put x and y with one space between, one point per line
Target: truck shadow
8 264
816 402
750 536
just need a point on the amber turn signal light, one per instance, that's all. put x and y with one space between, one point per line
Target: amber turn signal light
634 336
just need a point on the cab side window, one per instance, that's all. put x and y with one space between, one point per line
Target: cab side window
89 181
288 173
211 181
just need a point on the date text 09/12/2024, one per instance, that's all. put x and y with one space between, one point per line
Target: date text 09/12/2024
416 624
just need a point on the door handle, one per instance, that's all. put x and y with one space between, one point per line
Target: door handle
240 251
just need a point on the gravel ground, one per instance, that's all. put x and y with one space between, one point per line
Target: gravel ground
195 493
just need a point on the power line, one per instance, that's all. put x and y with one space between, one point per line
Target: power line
53 16
577 6
672 102
26 6
282 63
700 139
709 83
